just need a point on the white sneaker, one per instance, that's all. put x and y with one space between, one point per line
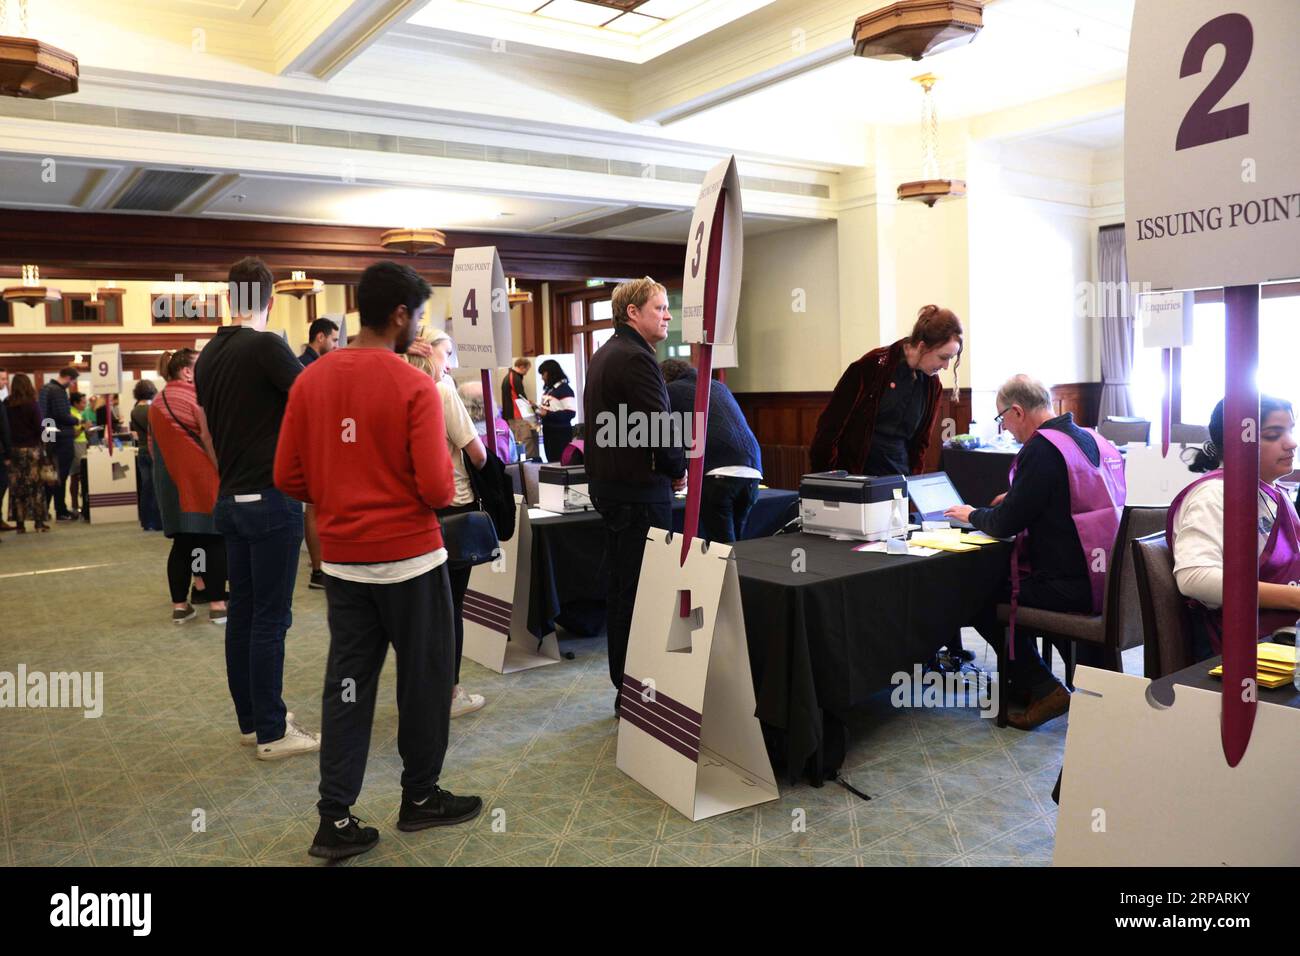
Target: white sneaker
250 740
464 703
296 740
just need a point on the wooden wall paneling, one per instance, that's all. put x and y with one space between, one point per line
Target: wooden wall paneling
92 245
1082 399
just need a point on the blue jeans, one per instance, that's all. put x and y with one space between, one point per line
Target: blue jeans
263 538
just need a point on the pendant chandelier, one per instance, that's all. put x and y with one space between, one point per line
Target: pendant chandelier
29 67
413 240
30 291
912 29
930 189
298 285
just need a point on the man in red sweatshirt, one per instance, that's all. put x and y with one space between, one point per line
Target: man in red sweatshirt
363 440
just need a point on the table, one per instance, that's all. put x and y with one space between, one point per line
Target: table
569 583
825 639
1198 675
978 474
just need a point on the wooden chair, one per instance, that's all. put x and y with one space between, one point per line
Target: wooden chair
1119 625
1120 430
529 471
1165 618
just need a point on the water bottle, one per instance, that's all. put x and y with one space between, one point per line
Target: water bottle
1295 676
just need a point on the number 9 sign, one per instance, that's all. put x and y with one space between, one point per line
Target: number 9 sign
1211 135
106 369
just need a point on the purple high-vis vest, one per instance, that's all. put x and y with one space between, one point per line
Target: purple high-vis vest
1097 495
1279 562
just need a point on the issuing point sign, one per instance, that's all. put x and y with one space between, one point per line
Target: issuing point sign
480 304
1211 134
106 369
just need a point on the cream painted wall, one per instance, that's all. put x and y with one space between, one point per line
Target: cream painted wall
135 310
782 350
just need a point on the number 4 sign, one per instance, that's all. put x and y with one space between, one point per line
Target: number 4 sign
480 304
1211 135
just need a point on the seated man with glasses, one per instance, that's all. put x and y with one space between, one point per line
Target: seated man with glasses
1063 507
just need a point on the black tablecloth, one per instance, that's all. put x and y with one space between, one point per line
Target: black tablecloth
568 575
823 640
1198 675
978 475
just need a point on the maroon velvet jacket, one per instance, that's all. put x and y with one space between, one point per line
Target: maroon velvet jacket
844 430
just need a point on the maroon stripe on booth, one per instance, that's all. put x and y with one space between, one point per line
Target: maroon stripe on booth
668 721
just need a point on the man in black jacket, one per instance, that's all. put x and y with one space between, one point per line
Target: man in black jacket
56 408
631 474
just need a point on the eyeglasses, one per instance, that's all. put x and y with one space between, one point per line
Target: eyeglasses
997 419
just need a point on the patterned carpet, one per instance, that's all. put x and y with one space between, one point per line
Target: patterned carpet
947 787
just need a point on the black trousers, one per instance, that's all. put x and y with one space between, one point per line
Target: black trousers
414 616
63 454
1029 674
724 505
458 578
556 438
626 524
181 563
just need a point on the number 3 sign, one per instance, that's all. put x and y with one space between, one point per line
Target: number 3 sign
480 309
1211 136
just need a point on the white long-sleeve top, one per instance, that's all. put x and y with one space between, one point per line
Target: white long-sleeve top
1198 541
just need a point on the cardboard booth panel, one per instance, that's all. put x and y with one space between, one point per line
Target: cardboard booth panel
1143 782
688 731
496 608
111 484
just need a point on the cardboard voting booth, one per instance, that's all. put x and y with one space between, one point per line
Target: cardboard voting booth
1211 132
688 731
111 483
1147 782
496 608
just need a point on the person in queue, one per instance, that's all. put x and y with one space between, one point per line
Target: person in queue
463 441
1067 492
364 440
185 482
1195 531
631 487
731 454
242 380
55 408
26 491
883 409
512 390
83 437
322 338
144 393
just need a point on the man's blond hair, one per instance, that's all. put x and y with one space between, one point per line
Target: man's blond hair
636 292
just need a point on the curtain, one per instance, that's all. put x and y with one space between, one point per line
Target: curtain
1116 324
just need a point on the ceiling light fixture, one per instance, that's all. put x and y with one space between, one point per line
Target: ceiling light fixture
931 189
913 29
30 68
30 291
517 295
413 241
298 285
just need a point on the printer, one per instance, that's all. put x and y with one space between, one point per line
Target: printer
873 507
562 488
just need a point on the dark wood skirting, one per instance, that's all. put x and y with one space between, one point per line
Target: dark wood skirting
78 245
784 423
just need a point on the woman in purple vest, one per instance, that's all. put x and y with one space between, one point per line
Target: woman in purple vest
1063 507
1195 531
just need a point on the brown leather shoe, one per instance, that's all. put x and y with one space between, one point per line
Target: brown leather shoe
1042 710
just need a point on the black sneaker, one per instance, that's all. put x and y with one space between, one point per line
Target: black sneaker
339 839
441 809
65 517
317 582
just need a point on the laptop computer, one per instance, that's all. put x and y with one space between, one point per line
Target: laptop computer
934 493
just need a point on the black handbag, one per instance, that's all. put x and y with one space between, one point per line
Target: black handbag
470 538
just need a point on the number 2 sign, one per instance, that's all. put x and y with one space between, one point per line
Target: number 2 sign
480 309
1211 135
